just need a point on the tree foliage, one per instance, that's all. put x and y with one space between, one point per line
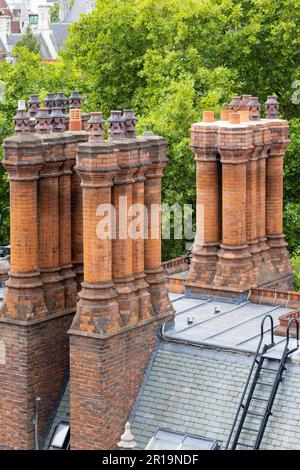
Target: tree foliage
54 14
170 60
29 41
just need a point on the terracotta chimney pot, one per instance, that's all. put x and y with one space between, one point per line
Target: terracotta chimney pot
75 123
208 116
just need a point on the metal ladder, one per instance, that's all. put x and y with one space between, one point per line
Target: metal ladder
260 391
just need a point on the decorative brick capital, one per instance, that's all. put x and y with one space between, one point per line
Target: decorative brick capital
22 157
96 163
279 138
235 144
204 141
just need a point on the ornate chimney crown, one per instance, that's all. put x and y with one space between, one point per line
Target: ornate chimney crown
96 127
43 121
62 101
244 103
254 109
116 125
75 100
50 102
34 105
272 107
130 122
58 120
21 122
235 103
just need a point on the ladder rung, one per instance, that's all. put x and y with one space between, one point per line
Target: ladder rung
269 370
264 383
259 399
244 445
255 414
249 429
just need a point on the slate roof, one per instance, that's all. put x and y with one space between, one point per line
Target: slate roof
79 8
197 391
62 410
193 384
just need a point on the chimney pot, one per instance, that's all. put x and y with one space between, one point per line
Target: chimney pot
96 127
43 121
235 103
75 123
272 107
58 121
50 102
234 118
116 125
33 105
21 121
244 103
244 116
225 114
254 109
208 116
62 101
75 100
130 122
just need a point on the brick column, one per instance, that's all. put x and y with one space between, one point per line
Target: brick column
138 252
34 344
65 232
253 195
48 210
261 194
234 265
208 185
274 197
72 139
23 162
123 274
154 272
98 310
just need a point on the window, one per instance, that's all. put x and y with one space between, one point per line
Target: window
33 19
61 436
168 440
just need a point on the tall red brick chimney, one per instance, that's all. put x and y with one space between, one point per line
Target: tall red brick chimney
40 299
240 188
124 296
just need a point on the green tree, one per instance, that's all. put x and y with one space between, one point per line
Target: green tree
55 13
28 40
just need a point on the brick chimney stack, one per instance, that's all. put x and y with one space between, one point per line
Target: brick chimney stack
40 298
123 297
239 164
